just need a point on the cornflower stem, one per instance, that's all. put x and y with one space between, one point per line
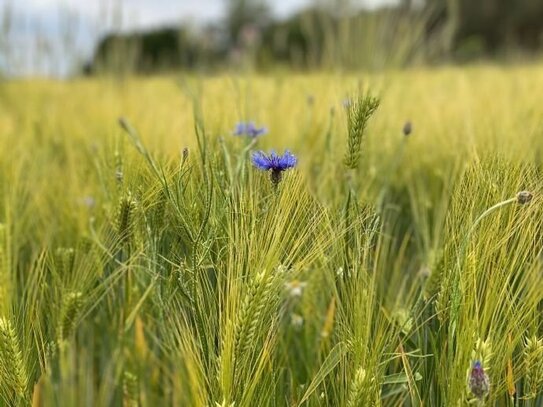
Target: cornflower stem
240 170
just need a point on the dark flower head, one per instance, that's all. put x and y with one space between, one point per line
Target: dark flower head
185 154
249 129
274 162
478 382
407 128
523 197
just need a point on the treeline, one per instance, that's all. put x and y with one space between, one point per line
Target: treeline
489 27
327 36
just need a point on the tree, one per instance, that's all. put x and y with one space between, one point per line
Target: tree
243 13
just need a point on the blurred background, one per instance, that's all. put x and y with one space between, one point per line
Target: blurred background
67 38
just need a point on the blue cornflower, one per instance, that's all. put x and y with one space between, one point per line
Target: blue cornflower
249 129
274 162
478 381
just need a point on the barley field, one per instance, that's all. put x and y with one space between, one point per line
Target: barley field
150 256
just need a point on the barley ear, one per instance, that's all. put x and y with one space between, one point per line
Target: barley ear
12 368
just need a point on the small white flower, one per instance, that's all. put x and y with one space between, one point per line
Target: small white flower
297 321
295 288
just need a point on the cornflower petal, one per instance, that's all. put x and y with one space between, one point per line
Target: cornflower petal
273 161
249 129
261 161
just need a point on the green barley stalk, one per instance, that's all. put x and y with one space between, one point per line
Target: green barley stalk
482 351
358 114
159 210
65 259
125 218
251 312
125 225
522 198
119 174
442 300
362 390
5 291
12 368
70 311
130 390
533 356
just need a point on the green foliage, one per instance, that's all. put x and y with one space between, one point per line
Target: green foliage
140 265
315 37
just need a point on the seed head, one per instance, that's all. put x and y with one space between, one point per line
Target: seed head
533 356
359 113
70 312
125 217
130 390
523 197
12 368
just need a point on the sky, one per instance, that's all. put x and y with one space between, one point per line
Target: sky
39 27
153 12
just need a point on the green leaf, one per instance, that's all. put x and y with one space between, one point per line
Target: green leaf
327 366
400 378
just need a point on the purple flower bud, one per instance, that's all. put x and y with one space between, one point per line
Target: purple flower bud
407 128
523 197
478 382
